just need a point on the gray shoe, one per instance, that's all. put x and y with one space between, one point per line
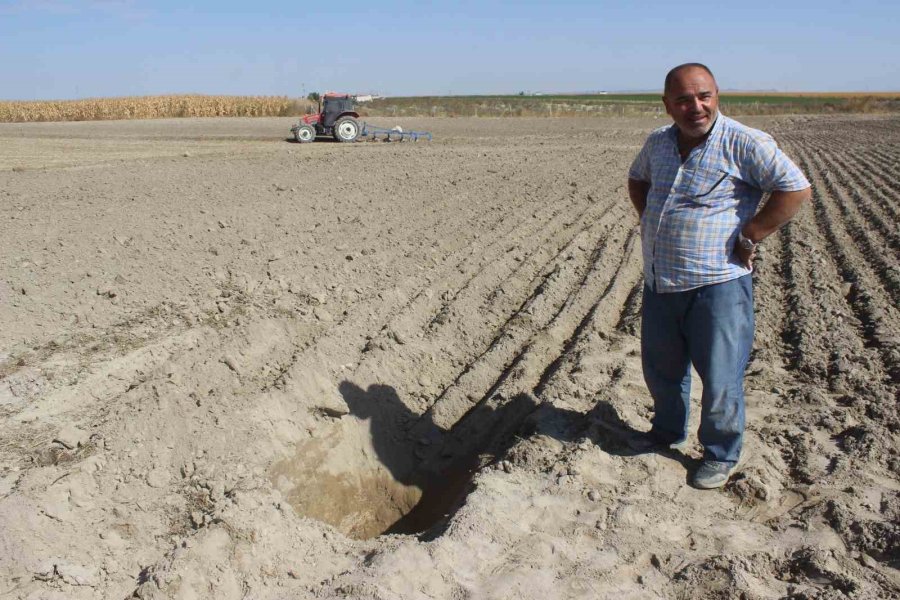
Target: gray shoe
713 474
643 443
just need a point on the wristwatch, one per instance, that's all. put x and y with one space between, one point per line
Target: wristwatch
746 243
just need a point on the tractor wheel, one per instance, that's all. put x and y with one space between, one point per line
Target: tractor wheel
346 129
305 134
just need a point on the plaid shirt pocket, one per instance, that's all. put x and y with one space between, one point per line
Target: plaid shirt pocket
707 186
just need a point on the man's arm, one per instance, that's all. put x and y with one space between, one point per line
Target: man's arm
781 208
637 191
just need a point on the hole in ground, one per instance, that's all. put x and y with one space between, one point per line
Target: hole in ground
382 469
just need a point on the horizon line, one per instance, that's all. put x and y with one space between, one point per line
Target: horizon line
536 93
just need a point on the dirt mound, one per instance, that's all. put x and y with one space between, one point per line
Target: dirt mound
233 367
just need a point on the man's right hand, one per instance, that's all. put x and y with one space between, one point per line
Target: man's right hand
745 256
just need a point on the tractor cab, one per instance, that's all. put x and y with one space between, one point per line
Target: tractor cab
336 106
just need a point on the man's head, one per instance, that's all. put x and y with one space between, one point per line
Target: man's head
691 97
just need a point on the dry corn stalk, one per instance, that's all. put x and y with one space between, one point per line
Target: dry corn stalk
150 107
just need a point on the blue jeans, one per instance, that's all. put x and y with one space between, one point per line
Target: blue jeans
710 327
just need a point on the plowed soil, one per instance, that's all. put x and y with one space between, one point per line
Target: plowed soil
236 367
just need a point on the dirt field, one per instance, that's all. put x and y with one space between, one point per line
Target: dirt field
235 367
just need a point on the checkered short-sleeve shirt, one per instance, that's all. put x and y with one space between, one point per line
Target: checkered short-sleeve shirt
696 208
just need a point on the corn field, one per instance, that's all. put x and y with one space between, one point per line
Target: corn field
151 107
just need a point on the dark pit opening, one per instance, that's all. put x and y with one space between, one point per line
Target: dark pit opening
382 469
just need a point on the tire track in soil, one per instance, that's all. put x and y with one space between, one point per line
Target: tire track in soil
877 181
540 223
563 398
805 334
884 164
867 300
486 214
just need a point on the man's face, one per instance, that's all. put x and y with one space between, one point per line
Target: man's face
693 102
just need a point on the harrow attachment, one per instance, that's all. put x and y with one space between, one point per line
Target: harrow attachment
372 133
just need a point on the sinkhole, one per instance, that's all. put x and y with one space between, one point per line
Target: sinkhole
382 469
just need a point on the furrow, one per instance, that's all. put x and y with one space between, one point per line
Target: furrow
804 333
879 202
772 343
543 314
865 298
883 161
881 252
547 280
344 342
629 321
619 291
541 241
591 305
441 334
886 162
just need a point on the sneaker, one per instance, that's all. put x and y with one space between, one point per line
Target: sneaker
713 474
650 442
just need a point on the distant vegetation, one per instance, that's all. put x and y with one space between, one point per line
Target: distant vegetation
518 105
152 107
623 105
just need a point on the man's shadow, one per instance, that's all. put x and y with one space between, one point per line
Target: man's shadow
442 462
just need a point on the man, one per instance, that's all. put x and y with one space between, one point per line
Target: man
697 186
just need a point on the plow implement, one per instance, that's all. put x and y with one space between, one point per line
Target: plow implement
372 133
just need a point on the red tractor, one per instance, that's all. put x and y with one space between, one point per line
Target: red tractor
337 117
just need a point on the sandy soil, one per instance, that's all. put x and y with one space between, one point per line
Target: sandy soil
237 367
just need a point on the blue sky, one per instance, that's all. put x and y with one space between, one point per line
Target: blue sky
53 49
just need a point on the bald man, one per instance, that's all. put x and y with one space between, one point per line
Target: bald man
697 186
